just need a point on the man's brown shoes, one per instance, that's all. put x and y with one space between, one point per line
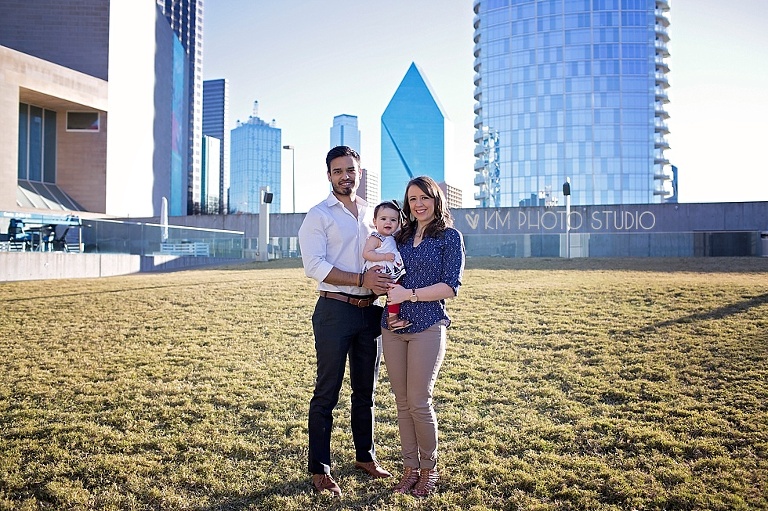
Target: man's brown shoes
324 482
373 468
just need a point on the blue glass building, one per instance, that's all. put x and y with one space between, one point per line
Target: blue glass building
571 88
186 20
345 132
413 136
215 120
255 159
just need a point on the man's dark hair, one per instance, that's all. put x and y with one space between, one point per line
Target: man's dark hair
340 150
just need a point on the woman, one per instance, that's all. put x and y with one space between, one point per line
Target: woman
433 253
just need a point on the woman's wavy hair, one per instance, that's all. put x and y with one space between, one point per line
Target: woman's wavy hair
442 220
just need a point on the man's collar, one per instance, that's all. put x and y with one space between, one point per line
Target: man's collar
332 199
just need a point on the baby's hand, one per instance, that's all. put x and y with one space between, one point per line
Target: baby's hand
390 257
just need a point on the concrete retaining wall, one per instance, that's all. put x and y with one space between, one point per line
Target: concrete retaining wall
62 265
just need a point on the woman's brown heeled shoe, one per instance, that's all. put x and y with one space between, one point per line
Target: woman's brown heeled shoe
408 481
427 481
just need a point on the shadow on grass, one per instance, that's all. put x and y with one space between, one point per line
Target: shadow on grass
714 314
640 264
652 264
274 264
367 494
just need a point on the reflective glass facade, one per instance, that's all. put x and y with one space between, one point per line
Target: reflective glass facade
345 132
254 162
186 19
412 136
215 120
571 89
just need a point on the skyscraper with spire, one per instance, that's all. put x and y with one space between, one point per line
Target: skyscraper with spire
256 159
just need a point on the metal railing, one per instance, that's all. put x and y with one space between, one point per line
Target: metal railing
123 237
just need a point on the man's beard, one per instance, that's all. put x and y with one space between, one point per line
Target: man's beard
338 190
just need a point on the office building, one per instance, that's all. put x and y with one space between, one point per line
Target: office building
571 89
255 161
211 174
369 188
93 104
186 20
215 124
345 132
453 195
415 134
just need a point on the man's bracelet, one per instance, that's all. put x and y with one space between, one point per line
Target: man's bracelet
360 279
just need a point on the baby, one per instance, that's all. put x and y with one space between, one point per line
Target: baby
381 249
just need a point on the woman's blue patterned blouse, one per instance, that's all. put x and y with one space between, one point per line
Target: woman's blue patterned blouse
439 259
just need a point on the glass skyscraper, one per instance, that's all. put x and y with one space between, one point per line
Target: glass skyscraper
414 135
186 19
215 120
571 89
255 160
345 132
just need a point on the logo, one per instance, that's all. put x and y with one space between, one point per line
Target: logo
472 220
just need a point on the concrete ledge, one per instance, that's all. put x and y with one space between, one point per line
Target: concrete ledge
61 265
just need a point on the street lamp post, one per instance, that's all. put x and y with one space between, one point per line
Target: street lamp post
293 173
567 193
265 199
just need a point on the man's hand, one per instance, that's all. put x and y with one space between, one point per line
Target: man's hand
375 281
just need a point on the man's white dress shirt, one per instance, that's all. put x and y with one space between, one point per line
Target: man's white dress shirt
330 236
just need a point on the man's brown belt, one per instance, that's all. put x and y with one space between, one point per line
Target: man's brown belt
363 301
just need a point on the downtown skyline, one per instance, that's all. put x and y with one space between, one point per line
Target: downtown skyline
337 64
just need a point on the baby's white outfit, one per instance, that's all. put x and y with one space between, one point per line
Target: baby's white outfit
388 244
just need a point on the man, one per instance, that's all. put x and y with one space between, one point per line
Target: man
345 322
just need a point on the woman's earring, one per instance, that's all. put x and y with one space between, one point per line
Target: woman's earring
412 217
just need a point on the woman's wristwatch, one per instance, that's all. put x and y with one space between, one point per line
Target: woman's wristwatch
414 298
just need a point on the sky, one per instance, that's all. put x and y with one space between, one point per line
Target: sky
306 61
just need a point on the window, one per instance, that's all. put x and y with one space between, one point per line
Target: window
37 144
83 121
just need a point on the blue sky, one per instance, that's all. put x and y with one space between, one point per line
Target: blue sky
306 61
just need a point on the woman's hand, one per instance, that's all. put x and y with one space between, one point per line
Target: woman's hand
398 294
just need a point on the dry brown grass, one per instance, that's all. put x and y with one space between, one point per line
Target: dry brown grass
569 384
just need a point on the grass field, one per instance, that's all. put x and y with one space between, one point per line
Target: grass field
584 384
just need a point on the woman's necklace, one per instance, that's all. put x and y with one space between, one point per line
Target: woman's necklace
420 232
